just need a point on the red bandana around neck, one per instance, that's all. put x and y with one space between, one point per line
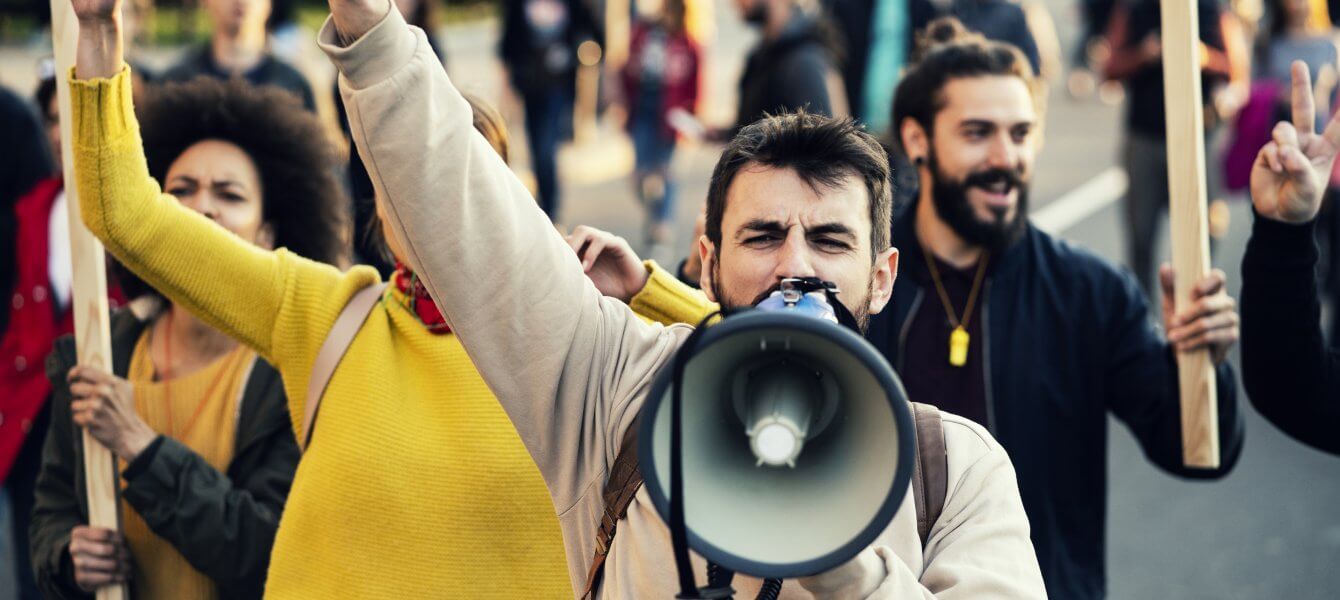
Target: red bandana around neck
418 301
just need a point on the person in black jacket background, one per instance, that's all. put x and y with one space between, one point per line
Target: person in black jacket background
1290 376
795 64
539 50
1033 337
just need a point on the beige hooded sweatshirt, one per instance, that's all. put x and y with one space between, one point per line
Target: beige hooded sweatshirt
572 367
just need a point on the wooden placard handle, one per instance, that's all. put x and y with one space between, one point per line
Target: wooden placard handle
1182 56
91 326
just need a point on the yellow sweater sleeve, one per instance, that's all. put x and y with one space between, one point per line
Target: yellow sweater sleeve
278 303
667 300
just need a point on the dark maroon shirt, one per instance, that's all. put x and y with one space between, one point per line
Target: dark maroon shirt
925 369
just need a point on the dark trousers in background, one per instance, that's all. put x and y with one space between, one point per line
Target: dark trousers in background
546 113
18 500
1146 203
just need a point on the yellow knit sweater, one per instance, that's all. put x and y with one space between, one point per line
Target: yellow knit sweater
415 484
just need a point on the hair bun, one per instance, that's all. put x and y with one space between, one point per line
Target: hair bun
943 31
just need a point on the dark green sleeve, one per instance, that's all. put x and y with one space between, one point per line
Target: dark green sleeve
57 508
224 526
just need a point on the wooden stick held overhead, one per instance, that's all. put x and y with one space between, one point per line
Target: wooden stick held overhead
1190 247
89 303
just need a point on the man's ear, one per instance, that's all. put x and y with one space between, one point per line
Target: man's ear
916 143
881 281
707 275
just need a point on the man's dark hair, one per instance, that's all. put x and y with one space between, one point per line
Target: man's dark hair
821 150
947 51
302 200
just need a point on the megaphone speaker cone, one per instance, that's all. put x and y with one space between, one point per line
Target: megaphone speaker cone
795 471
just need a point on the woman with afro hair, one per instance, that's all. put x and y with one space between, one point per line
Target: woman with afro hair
199 422
413 482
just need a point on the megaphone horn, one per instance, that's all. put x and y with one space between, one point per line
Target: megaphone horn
797 444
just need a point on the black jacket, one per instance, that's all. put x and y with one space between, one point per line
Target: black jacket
790 72
223 523
539 65
1290 376
1069 339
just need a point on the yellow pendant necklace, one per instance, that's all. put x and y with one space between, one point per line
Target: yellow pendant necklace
958 338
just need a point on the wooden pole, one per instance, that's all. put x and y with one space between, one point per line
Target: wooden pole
1190 247
89 304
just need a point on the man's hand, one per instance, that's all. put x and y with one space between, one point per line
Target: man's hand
1290 173
104 404
354 18
609 262
1210 320
100 557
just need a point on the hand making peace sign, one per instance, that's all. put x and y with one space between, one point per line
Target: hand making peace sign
1290 173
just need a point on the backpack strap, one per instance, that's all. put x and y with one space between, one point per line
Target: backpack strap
930 481
337 342
930 473
620 488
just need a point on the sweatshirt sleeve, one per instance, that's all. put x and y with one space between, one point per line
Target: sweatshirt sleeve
980 546
1290 376
667 300
224 527
276 302
568 365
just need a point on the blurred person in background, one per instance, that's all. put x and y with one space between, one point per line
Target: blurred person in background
28 161
238 48
1137 60
1301 30
659 80
538 49
795 64
199 423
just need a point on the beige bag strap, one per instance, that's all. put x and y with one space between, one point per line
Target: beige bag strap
332 351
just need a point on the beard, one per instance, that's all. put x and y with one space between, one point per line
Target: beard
860 310
950 199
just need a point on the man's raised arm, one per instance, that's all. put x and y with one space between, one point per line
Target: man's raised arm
563 361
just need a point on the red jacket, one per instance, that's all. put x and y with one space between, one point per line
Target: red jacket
34 322
679 79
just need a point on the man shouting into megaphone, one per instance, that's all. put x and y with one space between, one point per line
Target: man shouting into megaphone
793 196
